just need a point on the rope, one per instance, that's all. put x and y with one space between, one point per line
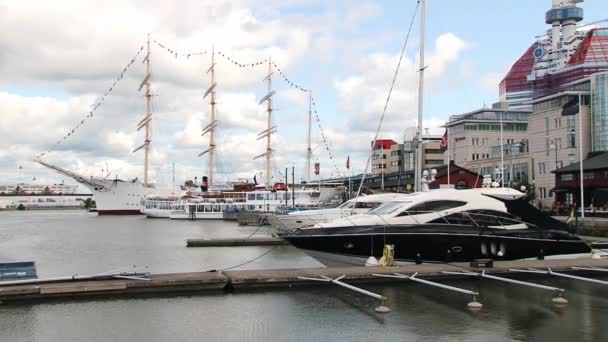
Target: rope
96 106
257 230
246 262
388 98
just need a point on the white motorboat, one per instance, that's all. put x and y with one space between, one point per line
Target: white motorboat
304 218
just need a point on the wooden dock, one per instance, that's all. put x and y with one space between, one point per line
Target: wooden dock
218 282
234 242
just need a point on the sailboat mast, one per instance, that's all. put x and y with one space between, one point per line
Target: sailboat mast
145 122
148 114
212 131
418 171
309 150
269 127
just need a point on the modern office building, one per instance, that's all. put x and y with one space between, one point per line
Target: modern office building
564 55
387 156
432 154
564 129
475 140
392 157
36 189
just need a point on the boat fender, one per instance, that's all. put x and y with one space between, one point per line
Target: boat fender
388 255
371 261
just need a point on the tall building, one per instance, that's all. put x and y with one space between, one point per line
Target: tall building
387 156
562 56
432 154
474 142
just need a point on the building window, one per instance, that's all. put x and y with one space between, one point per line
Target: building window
541 169
558 122
589 175
566 177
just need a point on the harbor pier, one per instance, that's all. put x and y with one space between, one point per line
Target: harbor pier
245 280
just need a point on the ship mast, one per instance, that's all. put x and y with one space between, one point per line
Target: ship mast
418 170
309 150
269 128
145 122
211 127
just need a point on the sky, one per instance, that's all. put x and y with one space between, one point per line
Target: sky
58 59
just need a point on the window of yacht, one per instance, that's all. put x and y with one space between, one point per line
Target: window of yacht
455 218
432 206
366 205
388 207
493 217
250 197
346 205
260 197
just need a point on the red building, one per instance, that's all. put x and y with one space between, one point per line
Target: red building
385 144
595 182
460 178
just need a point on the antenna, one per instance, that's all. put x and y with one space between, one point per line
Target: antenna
145 122
210 128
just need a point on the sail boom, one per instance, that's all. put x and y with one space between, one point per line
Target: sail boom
263 155
146 79
143 124
140 147
266 134
269 95
210 89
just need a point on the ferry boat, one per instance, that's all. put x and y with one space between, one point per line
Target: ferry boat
259 200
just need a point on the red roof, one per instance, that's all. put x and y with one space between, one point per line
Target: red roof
593 49
384 144
516 78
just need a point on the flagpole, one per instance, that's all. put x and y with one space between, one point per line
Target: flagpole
350 190
449 156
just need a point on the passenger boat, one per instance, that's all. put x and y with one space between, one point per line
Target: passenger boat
443 225
267 201
305 218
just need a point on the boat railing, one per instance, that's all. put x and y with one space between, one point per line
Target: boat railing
464 217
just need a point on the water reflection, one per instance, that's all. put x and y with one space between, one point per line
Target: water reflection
65 243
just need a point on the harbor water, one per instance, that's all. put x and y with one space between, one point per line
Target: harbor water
75 242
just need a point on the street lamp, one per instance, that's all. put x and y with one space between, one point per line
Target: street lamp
554 145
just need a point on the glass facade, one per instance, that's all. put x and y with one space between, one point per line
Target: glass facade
599 112
559 14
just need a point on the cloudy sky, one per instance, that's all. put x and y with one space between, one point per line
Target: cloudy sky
57 59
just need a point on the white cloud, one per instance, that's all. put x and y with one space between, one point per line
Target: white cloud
76 49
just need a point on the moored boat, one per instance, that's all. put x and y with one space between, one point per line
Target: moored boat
443 225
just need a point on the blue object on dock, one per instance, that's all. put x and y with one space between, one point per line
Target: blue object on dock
18 270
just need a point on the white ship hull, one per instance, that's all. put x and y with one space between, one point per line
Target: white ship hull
116 197
113 196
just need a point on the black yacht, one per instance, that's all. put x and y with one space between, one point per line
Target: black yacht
443 225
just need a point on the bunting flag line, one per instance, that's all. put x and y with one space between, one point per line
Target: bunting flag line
289 82
242 65
176 54
324 138
97 104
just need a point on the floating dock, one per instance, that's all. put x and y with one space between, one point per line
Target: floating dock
233 242
218 282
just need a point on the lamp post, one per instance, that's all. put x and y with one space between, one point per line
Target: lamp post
554 146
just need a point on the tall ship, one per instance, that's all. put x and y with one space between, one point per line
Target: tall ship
117 196
113 196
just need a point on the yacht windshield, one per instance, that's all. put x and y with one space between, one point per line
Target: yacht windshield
388 207
346 205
